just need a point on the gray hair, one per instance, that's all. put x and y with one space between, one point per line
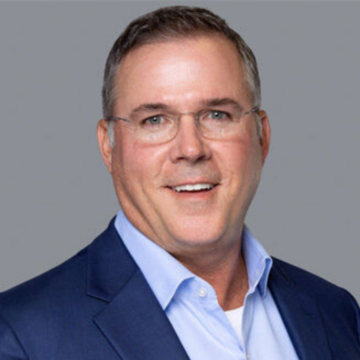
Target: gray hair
165 24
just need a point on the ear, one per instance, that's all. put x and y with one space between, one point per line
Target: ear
265 134
104 143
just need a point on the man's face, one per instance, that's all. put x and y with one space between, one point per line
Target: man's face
182 74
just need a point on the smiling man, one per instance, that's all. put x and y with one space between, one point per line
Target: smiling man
177 274
187 163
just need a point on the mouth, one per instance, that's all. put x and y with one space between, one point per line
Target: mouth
193 187
198 188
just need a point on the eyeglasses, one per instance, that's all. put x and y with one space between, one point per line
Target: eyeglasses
215 124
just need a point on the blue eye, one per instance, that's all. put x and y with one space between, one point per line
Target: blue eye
154 120
217 115
220 115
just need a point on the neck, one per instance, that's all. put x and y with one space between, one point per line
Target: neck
226 273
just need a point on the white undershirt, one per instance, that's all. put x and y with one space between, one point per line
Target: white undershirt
235 318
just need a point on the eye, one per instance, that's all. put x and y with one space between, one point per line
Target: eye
217 115
154 120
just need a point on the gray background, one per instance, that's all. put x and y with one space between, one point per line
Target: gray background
56 195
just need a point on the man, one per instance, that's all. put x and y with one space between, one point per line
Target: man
177 274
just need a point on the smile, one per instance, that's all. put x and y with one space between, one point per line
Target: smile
193 187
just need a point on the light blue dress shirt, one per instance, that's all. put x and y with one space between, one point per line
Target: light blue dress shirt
255 331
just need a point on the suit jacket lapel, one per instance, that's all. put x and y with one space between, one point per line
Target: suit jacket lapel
301 317
133 321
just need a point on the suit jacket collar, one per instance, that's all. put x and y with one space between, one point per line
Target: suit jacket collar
301 316
133 321
110 266
137 327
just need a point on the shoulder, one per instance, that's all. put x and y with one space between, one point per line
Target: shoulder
307 282
41 306
56 285
331 298
60 285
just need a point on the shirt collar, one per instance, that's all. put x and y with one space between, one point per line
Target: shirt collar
165 274
258 262
162 271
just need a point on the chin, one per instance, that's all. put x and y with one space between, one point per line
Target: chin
197 233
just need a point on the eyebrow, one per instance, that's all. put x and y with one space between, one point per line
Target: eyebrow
149 107
203 103
220 102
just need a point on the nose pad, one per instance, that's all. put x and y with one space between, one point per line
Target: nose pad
194 115
189 144
189 126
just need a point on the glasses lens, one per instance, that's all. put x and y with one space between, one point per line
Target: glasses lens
155 128
221 123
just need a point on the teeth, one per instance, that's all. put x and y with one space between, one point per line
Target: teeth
195 187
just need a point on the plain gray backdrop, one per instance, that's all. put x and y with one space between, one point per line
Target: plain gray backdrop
56 194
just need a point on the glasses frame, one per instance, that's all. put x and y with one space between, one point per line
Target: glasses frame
196 116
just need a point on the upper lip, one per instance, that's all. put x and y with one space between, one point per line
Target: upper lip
192 182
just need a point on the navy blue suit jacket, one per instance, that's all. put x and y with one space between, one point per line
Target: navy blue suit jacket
98 305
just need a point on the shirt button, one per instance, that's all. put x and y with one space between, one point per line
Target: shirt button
202 292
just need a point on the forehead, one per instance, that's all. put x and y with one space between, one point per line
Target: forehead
181 72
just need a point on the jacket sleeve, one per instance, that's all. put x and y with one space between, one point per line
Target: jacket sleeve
10 347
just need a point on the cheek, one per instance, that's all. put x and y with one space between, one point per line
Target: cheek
241 164
138 166
234 156
125 165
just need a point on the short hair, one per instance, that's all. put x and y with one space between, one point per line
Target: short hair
175 22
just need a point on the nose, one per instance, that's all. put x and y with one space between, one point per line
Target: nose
188 144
